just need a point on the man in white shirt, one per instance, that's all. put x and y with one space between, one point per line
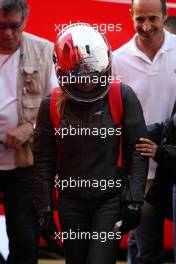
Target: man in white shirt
26 75
147 63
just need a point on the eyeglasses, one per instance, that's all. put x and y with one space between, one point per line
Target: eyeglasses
12 26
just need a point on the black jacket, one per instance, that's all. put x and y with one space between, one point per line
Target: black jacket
91 157
160 193
164 135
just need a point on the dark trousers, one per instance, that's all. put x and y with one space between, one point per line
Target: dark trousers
146 242
16 186
94 217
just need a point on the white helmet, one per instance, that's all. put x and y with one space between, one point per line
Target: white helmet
82 55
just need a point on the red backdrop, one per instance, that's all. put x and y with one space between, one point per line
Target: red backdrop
45 14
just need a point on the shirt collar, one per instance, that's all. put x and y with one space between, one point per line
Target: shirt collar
169 43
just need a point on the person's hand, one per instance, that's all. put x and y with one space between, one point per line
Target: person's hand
18 136
131 215
49 231
146 147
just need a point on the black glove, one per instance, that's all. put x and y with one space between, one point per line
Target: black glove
131 215
49 231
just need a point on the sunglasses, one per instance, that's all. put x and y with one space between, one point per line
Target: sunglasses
12 26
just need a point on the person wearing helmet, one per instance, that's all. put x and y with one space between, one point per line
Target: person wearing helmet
98 200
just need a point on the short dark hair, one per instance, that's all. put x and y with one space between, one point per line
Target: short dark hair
170 22
163 6
7 6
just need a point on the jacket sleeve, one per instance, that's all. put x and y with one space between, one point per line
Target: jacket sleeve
45 159
166 155
133 128
155 132
166 152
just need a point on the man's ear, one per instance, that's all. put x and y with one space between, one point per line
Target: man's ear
165 18
131 12
25 21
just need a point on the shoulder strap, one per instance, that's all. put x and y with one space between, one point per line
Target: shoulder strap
55 117
115 102
116 109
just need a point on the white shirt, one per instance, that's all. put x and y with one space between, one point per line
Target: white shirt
154 82
8 104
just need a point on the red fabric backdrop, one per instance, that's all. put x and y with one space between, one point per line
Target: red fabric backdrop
45 14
